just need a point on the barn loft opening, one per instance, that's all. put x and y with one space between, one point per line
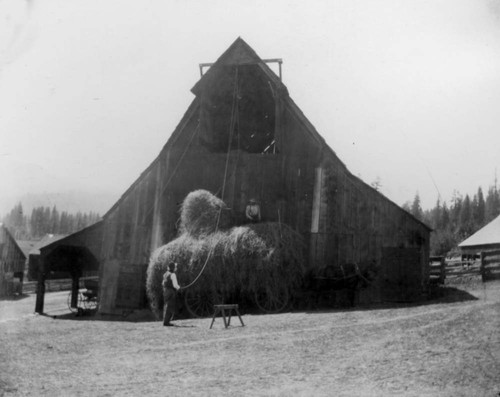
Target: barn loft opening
238 111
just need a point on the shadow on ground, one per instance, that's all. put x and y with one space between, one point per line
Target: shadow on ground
134 316
445 294
438 295
14 297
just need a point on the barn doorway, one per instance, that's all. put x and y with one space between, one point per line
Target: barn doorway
131 291
402 275
76 261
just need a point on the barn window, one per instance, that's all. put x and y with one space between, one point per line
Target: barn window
238 112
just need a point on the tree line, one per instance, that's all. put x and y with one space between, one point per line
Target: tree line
451 223
45 220
455 222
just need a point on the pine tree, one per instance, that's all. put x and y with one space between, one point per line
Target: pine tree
54 221
455 210
465 227
492 209
444 221
480 210
63 223
46 220
35 222
416 209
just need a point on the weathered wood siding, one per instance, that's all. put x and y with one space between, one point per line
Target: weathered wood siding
147 216
358 224
490 263
301 183
12 260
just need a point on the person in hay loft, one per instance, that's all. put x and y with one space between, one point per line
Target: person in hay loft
170 288
252 211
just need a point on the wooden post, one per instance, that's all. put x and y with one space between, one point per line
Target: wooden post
481 268
157 227
316 208
40 291
75 286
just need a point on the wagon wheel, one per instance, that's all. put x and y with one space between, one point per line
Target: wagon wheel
201 303
79 302
91 303
272 300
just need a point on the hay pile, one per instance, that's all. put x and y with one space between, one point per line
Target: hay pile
242 259
203 213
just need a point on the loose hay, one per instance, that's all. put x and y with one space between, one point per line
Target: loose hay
203 213
241 259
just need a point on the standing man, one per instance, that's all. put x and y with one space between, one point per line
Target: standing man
170 287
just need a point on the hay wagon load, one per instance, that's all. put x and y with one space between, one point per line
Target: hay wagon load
260 263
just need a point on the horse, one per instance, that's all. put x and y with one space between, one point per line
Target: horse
330 279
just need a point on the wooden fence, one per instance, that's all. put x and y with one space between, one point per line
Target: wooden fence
487 267
490 265
437 270
458 270
53 285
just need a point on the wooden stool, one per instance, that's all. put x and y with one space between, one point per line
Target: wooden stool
222 309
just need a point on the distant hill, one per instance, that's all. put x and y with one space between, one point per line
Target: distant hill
69 201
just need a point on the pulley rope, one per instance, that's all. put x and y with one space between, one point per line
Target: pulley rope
231 131
163 188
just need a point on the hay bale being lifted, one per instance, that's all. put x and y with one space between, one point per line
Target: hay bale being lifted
203 213
248 260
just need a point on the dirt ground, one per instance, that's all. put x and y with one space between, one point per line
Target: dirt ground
446 347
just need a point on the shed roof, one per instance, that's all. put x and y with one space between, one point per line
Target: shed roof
26 246
9 236
65 239
488 235
44 241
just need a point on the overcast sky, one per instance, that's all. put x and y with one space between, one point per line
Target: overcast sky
404 91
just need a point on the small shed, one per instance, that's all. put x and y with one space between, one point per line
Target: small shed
76 255
12 263
485 243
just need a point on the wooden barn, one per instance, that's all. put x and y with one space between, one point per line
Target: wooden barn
243 137
12 264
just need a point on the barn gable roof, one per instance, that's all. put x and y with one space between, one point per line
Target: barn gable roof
11 238
240 53
488 235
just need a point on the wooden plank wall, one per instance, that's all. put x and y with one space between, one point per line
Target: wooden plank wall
490 265
11 256
358 223
458 269
11 260
354 223
437 270
148 215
